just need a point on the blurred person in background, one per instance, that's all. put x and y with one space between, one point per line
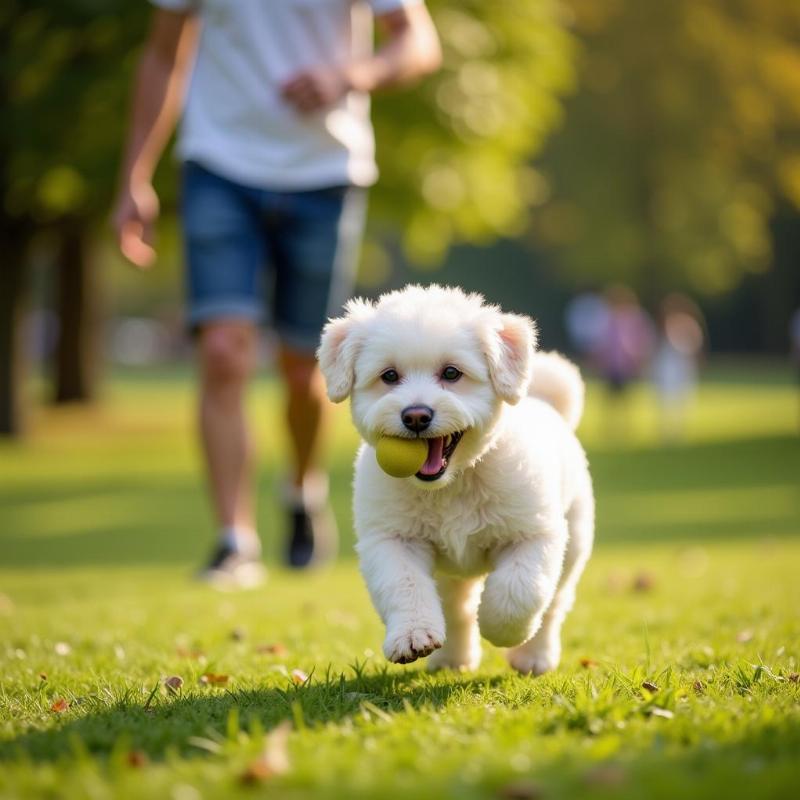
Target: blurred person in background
621 351
585 317
624 340
277 150
675 361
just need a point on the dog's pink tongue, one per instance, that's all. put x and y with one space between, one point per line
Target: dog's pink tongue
434 461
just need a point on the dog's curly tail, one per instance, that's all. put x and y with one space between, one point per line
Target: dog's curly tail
558 381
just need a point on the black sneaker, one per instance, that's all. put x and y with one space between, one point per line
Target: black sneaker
230 569
313 537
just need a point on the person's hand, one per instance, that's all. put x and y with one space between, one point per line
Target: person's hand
134 217
313 89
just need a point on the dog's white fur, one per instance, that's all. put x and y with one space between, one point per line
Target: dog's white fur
496 546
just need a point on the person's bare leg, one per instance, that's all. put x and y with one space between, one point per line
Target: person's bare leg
313 535
306 411
227 358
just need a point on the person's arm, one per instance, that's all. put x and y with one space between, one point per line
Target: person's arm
158 92
410 51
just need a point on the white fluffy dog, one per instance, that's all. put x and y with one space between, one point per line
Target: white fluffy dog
491 535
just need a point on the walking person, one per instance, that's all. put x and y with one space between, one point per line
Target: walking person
277 153
675 361
622 350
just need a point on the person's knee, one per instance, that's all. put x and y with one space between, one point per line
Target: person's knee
301 374
227 355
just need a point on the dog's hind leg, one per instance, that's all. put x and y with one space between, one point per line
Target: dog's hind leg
543 652
462 645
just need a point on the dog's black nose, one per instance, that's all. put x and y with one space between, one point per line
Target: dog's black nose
417 418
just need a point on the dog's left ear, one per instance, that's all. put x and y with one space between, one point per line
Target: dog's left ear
509 345
338 349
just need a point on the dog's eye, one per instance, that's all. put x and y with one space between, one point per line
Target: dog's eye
451 374
390 376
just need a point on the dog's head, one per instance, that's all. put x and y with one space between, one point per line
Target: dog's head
434 363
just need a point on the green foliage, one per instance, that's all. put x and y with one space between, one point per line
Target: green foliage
66 70
455 153
679 146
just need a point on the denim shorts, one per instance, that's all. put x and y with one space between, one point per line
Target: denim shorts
287 258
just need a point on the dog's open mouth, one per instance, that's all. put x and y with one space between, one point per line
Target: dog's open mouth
440 449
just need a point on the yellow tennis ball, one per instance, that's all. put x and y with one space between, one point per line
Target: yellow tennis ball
401 458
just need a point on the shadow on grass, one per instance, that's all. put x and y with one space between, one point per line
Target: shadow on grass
170 723
747 762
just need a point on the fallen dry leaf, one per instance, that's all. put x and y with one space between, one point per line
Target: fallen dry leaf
173 683
588 663
275 649
213 679
743 637
794 677
59 706
274 758
699 687
137 759
643 582
520 790
183 652
650 687
298 676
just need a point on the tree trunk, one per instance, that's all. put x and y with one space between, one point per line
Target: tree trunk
12 269
77 346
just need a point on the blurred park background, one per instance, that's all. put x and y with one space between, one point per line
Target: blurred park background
625 171
564 147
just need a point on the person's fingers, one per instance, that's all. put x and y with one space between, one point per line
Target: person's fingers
308 102
135 243
149 234
306 93
308 97
304 102
301 91
294 83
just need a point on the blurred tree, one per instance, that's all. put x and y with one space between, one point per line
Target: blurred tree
682 141
11 355
64 80
455 154
76 359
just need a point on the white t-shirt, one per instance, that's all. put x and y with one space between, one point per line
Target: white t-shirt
235 121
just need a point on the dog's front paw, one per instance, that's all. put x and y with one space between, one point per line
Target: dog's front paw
405 644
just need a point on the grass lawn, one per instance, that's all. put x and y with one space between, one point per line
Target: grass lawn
694 589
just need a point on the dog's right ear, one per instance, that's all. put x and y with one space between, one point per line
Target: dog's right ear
339 347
